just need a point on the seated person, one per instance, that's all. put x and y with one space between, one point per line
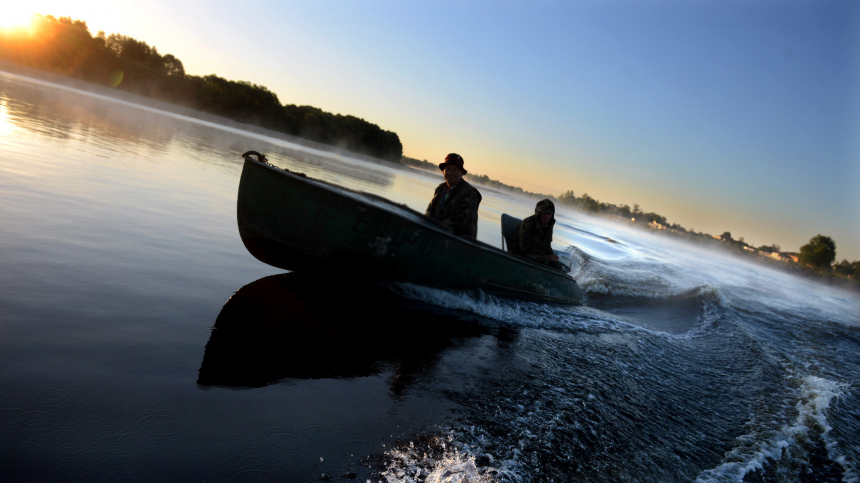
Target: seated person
534 236
455 202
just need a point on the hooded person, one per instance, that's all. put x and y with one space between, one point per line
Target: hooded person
534 236
455 202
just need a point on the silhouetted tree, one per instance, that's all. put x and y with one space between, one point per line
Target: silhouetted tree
846 268
567 198
587 203
819 252
173 66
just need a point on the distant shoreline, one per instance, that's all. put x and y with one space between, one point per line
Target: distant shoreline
100 90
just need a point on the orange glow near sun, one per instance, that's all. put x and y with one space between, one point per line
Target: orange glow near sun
16 16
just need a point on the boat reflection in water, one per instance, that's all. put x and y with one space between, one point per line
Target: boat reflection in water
301 326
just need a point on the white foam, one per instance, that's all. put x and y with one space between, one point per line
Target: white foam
411 465
816 396
514 312
538 315
635 278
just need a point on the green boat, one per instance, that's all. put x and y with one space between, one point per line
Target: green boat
298 223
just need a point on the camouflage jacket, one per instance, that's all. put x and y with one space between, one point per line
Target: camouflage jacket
535 241
459 211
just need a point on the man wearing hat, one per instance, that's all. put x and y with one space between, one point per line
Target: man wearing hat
534 236
455 202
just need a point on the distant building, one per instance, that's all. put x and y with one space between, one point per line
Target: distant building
654 225
750 249
786 256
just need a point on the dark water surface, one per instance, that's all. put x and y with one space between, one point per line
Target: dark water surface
123 355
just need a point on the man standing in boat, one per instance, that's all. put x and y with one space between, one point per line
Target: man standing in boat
534 236
455 202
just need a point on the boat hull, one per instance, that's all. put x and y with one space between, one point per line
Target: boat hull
295 223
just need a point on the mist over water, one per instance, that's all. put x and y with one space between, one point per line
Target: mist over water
141 340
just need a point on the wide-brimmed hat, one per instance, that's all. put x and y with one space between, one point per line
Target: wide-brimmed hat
454 159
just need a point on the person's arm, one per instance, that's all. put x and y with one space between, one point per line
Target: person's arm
431 208
526 234
547 249
466 213
549 253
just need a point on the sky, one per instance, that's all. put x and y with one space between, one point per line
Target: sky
722 115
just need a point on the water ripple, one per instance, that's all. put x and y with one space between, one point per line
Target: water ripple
8 415
162 424
39 419
287 439
89 412
53 437
50 394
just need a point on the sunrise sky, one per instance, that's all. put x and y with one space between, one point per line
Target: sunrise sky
719 114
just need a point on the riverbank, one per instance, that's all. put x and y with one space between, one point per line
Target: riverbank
66 47
150 103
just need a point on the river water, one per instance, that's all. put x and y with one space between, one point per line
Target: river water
140 340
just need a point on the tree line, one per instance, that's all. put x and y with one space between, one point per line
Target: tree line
66 47
817 255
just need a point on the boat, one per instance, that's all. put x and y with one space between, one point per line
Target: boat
297 223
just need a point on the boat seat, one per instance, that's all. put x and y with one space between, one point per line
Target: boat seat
509 230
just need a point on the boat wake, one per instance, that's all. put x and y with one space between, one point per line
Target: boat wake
514 313
785 453
628 277
685 312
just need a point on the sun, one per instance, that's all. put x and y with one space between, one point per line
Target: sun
16 16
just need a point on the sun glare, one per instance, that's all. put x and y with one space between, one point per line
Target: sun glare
16 16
